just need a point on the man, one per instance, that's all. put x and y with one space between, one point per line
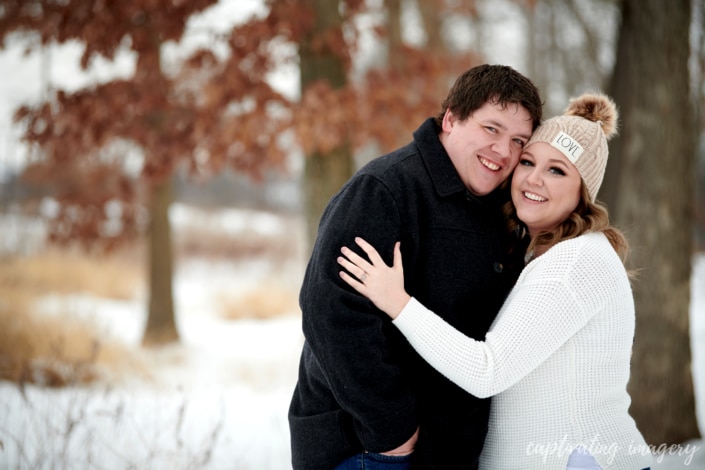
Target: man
363 395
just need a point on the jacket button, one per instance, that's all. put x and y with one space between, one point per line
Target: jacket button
498 267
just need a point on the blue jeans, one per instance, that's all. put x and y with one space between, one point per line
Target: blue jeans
372 461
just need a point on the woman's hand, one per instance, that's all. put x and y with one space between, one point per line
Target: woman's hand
382 284
406 448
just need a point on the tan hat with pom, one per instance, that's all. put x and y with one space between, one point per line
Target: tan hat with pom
581 134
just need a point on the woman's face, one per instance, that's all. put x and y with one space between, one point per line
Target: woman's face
545 188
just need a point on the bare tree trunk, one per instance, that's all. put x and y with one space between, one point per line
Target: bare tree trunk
161 324
533 68
654 161
324 174
432 25
698 77
394 40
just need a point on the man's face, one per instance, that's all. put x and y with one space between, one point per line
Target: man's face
485 147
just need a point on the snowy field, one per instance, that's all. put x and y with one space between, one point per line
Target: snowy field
216 401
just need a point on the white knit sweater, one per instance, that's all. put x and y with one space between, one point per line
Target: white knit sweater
556 357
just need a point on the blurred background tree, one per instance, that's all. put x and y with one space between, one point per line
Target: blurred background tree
206 117
369 72
652 175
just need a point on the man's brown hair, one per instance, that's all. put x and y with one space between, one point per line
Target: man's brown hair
498 84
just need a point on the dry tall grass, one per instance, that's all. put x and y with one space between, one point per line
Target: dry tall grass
60 349
70 271
57 350
203 241
269 299
261 303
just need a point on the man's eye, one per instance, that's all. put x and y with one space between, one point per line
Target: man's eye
491 129
519 142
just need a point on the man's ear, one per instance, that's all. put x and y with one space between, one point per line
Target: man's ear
448 121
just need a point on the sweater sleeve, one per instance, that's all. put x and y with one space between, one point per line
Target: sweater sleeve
539 316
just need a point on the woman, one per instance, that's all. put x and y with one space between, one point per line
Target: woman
557 356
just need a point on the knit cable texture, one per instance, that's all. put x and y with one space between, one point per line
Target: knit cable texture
556 357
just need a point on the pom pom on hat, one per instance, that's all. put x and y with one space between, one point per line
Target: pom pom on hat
597 108
581 134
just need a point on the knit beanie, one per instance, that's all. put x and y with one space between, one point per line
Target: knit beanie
581 134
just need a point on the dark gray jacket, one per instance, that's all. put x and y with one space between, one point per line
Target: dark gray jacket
361 386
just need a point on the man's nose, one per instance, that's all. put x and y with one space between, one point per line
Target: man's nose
503 148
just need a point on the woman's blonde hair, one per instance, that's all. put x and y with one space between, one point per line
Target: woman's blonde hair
587 217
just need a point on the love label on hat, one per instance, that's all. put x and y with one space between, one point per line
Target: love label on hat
568 146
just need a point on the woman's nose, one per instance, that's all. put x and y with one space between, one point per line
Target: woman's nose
534 178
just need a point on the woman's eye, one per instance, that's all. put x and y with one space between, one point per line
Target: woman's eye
557 171
525 162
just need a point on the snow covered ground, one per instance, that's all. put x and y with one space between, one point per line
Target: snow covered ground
219 399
